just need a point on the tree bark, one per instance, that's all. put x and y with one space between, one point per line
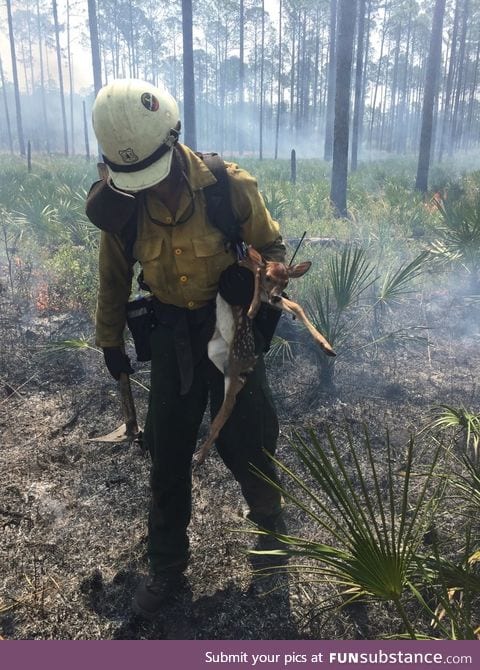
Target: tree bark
377 82
431 79
60 77
358 86
241 77
346 30
460 80
42 82
279 82
94 45
262 71
18 109
7 114
449 83
188 76
328 147
70 80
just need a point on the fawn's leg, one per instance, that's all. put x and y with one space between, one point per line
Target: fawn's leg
251 428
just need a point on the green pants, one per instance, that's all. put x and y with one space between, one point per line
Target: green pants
171 431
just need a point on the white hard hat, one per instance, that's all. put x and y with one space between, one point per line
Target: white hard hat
137 125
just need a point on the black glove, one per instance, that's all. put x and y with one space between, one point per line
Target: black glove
117 362
236 285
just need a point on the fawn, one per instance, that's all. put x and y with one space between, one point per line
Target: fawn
232 347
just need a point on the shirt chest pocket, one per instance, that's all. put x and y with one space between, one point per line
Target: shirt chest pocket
212 256
148 251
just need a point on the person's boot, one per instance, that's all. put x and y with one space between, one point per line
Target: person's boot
268 569
158 592
275 523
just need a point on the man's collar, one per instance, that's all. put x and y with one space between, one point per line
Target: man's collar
197 172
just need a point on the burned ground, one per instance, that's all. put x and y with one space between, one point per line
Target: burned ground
73 512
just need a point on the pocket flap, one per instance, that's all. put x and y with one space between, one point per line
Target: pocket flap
209 245
147 248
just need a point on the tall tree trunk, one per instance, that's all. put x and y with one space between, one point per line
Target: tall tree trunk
460 79
298 76
70 81
30 47
262 72
471 101
358 86
316 72
24 62
449 84
394 94
431 79
116 41
60 77
384 97
241 79
21 140
5 101
328 146
85 131
401 132
292 76
188 76
364 73
279 80
131 41
42 82
377 82
346 30
94 45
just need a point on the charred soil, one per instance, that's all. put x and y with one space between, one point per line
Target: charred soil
73 512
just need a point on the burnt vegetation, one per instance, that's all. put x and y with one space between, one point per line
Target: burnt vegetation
378 448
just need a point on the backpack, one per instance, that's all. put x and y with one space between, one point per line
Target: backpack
217 196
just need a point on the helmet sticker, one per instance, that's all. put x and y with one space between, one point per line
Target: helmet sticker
150 102
128 155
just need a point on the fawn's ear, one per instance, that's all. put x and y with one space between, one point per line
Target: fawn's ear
254 256
298 270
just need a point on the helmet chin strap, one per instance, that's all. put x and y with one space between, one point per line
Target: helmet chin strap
166 146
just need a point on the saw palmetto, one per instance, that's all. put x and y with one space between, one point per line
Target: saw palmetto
369 527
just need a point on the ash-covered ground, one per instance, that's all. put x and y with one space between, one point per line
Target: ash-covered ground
73 512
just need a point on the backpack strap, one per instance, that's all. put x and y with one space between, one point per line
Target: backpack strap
217 196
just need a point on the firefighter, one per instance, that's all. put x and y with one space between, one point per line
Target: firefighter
151 206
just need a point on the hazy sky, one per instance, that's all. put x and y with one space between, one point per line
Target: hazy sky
81 57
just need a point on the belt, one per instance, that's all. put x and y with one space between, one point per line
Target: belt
192 330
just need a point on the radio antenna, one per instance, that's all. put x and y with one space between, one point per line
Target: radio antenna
298 247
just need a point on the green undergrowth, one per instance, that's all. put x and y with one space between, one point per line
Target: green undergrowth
44 223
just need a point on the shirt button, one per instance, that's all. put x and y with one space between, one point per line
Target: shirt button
168 219
190 304
178 252
184 279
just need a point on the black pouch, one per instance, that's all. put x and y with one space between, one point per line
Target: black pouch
141 320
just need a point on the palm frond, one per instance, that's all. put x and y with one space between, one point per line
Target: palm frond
280 350
350 274
374 527
446 417
276 202
397 284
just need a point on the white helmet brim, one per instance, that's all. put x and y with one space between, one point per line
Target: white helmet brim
139 180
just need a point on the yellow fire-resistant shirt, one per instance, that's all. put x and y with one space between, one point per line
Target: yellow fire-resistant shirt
182 260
